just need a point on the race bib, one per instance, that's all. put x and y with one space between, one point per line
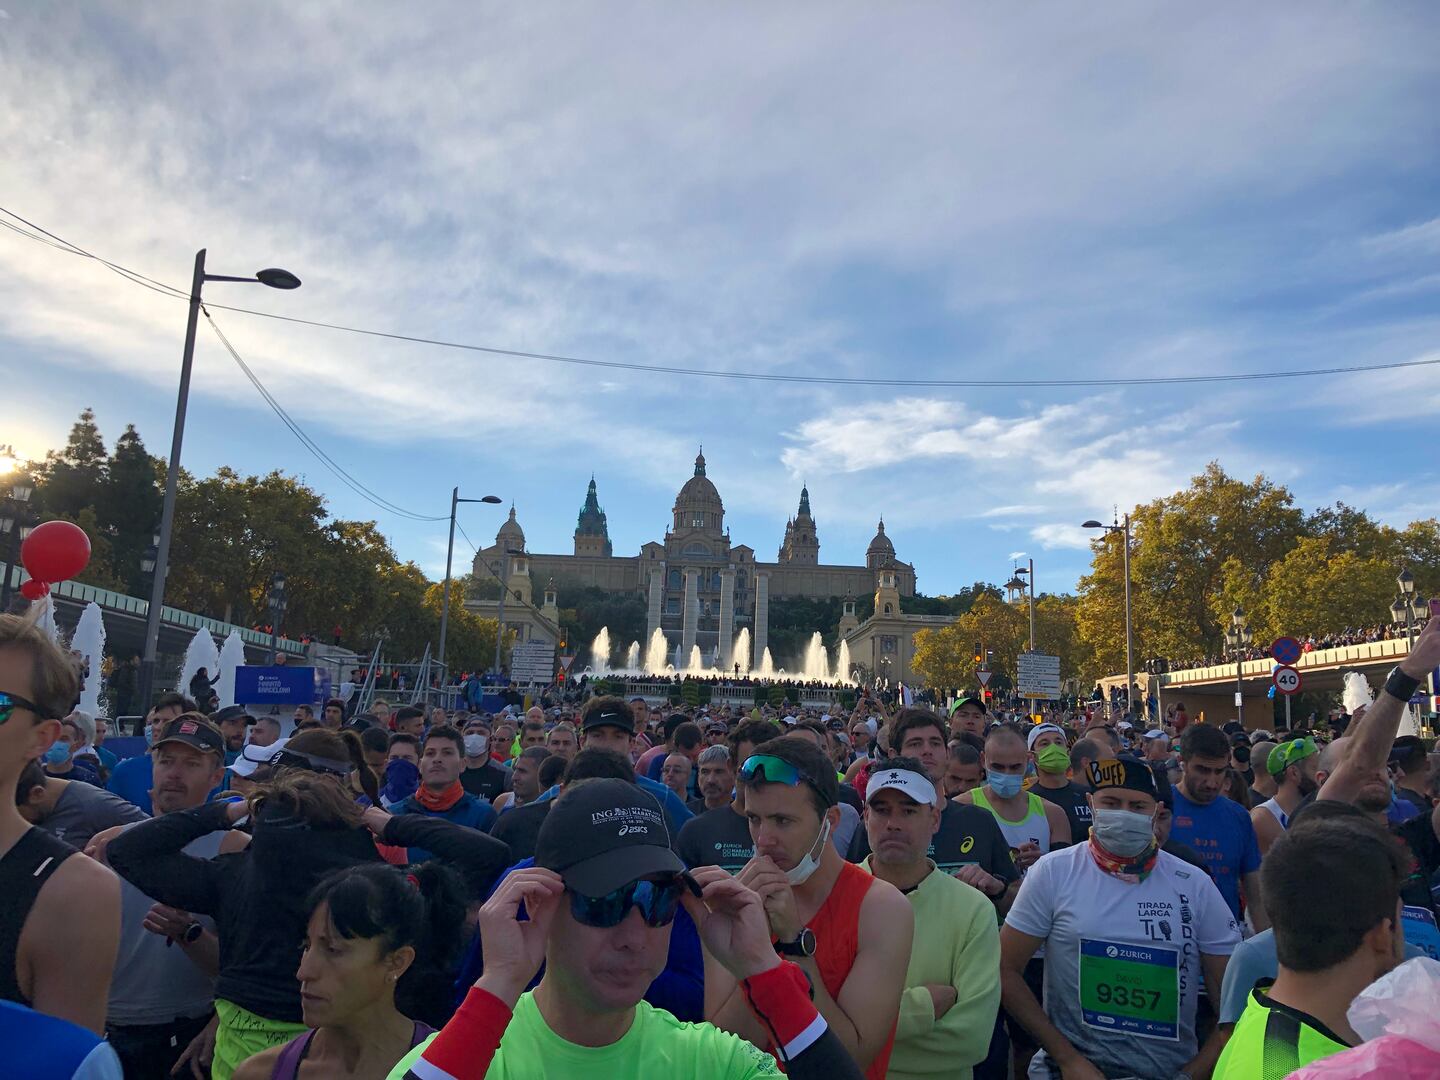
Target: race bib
1130 989
1418 923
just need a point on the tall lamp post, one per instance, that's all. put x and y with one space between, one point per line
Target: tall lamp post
1027 574
455 501
1124 530
1238 638
1408 609
277 604
13 519
275 279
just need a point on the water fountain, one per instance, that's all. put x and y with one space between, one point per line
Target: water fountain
697 664
600 652
655 659
46 619
232 656
816 663
842 661
742 650
201 652
767 666
89 641
679 658
632 657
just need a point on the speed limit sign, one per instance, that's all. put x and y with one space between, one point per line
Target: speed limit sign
1287 680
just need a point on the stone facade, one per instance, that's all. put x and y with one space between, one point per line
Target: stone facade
699 587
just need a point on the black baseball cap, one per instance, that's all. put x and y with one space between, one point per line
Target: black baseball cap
604 833
620 718
231 712
1122 772
193 732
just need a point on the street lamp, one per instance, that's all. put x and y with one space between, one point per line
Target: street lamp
1238 638
1027 577
277 604
455 500
275 279
150 554
13 522
1124 530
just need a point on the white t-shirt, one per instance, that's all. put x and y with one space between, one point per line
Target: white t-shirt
1122 964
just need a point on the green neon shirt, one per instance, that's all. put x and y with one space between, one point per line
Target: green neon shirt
1272 1040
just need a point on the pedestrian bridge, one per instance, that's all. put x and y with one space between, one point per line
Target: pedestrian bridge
1211 689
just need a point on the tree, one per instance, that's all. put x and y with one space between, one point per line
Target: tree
128 506
946 657
68 480
1315 590
585 609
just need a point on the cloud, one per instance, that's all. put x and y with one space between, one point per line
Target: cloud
1062 536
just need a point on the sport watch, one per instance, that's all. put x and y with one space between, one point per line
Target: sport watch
192 933
803 945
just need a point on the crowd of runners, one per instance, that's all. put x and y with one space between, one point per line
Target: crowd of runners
624 888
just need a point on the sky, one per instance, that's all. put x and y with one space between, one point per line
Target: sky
905 191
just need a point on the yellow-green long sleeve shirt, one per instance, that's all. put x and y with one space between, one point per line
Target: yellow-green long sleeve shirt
956 943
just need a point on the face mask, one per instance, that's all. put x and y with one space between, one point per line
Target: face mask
475 745
1005 785
149 734
1123 832
1053 758
58 754
801 871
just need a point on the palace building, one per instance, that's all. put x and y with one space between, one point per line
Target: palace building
699 587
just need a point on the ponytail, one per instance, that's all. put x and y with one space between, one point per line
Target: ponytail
355 751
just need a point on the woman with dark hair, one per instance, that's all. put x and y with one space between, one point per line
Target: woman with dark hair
377 946
306 824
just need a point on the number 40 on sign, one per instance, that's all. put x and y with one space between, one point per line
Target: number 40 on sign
1287 680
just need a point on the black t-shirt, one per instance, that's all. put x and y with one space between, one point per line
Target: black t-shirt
848 794
1071 799
486 782
718 837
967 835
520 828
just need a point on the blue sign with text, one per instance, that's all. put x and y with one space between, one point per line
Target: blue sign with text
279 685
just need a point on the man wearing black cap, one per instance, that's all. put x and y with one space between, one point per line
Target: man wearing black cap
598 908
232 722
163 990
607 724
1129 932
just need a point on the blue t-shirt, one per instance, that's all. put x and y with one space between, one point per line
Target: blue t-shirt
132 780
1223 837
676 812
41 1047
468 812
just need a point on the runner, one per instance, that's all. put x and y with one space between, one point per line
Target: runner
964 768
1328 952
716 780
598 907
849 932
257 897
969 844
967 714
1031 826
441 795
374 936
1292 765
952 984
133 778
721 837
1048 749
1129 931
1218 828
60 916
483 776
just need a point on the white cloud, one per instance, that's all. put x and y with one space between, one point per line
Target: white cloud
1062 536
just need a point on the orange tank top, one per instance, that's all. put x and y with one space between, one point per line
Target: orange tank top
837 939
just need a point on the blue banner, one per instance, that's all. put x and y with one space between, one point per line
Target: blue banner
280 685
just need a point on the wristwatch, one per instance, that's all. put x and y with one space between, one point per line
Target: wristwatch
192 932
803 945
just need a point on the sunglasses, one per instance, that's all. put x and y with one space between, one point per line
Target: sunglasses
775 770
657 901
10 702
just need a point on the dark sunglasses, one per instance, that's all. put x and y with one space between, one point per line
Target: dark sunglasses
10 702
657 901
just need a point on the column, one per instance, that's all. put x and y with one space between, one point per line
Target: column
657 595
762 619
727 619
692 613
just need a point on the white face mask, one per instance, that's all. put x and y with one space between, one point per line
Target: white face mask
801 871
475 745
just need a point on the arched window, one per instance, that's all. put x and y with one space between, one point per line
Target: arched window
697 519
674 581
887 609
696 549
740 581
715 582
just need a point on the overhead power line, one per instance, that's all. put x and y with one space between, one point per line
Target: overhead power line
739 376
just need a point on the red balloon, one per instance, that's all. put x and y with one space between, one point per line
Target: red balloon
55 551
34 590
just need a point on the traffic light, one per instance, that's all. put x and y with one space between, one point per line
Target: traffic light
989 694
979 652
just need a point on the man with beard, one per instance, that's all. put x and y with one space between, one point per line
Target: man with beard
1216 827
232 722
717 780
1293 765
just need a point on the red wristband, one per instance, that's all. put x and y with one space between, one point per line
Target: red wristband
464 1047
780 998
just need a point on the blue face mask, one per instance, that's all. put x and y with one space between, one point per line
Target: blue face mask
1005 785
58 754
